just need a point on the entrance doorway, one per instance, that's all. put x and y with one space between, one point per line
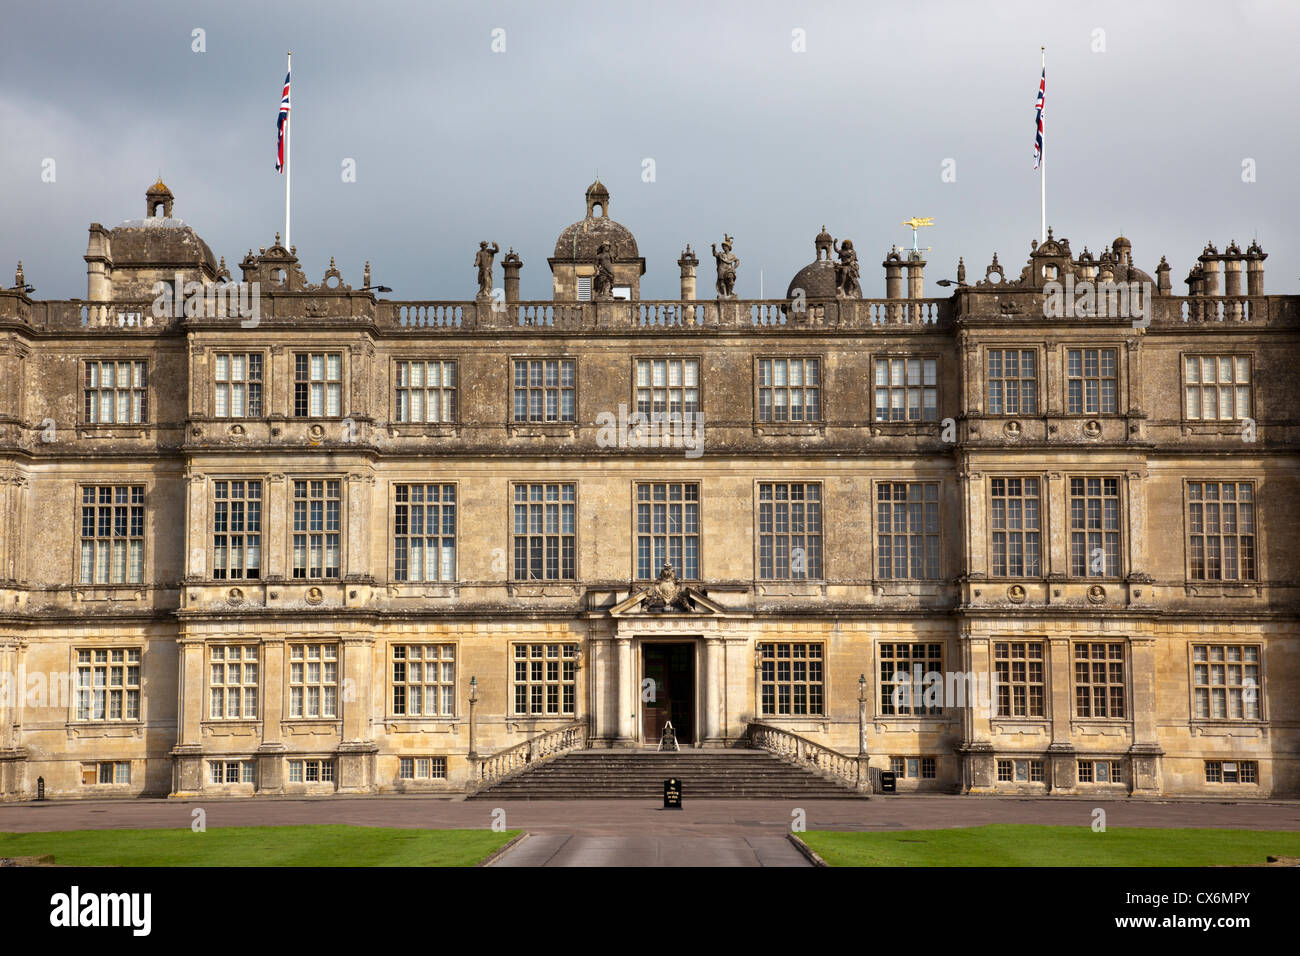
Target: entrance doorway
672 695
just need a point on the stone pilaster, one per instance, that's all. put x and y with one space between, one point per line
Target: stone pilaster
627 693
711 651
1061 767
1146 751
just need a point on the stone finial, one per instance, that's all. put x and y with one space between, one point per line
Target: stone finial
19 279
1254 249
1164 265
823 243
365 275
511 258
222 271
1049 233
277 239
688 257
961 271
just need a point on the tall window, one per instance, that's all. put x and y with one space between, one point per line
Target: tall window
1090 381
236 529
237 380
1016 527
1021 685
232 682
1217 387
316 528
108 683
1225 681
907 389
546 679
668 387
426 391
545 532
1094 527
668 529
789 390
1221 530
792 679
789 531
907 530
112 534
1099 680
424 532
313 680
424 680
1012 382
318 385
115 393
903 668
544 390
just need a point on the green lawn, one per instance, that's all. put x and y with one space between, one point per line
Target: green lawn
260 846
1016 845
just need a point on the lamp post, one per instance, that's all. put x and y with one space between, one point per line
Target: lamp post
862 715
473 699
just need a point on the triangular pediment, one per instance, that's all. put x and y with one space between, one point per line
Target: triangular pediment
699 602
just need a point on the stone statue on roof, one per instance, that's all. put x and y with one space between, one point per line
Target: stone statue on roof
602 286
846 270
727 263
483 263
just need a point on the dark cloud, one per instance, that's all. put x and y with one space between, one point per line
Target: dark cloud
454 143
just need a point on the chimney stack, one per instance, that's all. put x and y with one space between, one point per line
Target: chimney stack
688 262
511 265
893 274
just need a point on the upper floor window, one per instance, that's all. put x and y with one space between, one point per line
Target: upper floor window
545 532
115 393
907 389
907 529
668 387
544 390
424 532
668 529
1221 530
1217 387
789 530
236 529
318 384
1090 381
1017 527
112 534
425 391
237 383
1012 382
316 528
789 390
903 671
1094 527
108 683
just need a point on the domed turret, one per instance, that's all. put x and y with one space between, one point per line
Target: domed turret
574 263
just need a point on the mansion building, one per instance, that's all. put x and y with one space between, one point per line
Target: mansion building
265 536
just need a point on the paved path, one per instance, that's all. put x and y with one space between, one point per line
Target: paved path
564 849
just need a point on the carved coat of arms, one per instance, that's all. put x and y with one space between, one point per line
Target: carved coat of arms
666 592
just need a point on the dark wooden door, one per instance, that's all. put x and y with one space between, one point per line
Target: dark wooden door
671 695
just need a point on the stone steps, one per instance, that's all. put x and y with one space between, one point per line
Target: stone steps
604 774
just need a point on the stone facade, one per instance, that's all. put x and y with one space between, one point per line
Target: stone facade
1163 534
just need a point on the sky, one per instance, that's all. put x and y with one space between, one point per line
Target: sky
1171 123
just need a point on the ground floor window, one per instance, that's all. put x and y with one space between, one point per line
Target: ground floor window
546 679
792 679
922 768
1231 771
311 771
231 771
1020 771
106 771
1101 771
423 768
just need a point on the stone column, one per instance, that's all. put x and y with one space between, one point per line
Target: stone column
196 513
275 517
191 698
9 690
627 696
270 755
915 276
1055 533
1144 775
357 749
356 563
1061 768
711 705
1136 499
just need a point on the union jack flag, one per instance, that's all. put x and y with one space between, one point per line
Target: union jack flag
280 125
1038 139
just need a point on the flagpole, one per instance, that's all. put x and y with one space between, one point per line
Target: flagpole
1043 167
288 120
